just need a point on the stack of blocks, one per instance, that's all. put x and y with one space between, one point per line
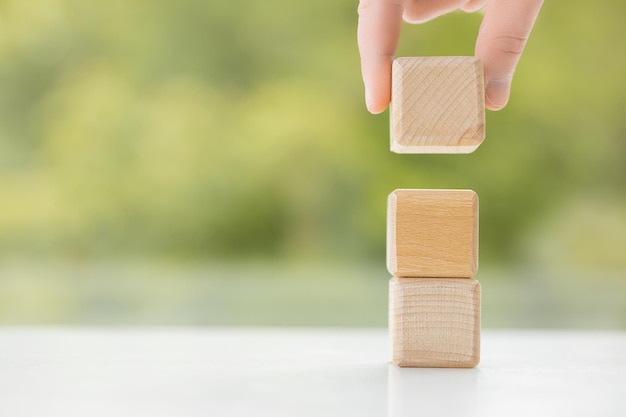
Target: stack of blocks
432 235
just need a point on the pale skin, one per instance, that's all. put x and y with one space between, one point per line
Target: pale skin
502 37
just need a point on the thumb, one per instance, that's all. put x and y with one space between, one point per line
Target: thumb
501 40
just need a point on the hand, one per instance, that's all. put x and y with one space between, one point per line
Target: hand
501 40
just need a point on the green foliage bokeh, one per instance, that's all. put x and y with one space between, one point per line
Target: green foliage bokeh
216 129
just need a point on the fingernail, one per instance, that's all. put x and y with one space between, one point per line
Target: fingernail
368 100
497 94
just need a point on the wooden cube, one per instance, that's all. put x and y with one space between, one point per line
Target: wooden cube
434 322
437 105
432 233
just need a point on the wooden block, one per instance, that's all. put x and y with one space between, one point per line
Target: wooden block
434 322
432 233
437 105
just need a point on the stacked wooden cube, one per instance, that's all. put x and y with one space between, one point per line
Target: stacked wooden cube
432 235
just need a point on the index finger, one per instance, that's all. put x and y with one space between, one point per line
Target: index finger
378 35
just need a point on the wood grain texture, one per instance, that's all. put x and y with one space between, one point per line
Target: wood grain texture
434 322
437 105
432 233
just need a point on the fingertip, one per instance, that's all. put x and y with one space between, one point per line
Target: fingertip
377 111
369 102
375 105
473 6
376 108
377 81
497 94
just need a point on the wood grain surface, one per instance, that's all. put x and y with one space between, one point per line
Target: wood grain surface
437 105
434 322
432 233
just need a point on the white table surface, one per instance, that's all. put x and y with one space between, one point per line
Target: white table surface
300 372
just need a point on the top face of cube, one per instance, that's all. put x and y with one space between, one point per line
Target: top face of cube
437 105
432 233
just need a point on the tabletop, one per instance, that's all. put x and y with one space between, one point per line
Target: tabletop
74 371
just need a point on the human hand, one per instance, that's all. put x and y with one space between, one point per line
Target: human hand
501 39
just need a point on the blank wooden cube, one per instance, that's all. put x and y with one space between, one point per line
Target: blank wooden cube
434 322
437 105
432 233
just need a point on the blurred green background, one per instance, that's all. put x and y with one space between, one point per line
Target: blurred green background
212 162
